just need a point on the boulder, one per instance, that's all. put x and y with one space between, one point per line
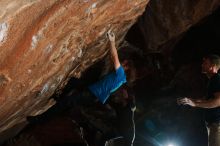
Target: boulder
44 43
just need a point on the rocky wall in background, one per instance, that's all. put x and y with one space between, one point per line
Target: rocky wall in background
165 20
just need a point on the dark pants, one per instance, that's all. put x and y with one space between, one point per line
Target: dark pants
126 126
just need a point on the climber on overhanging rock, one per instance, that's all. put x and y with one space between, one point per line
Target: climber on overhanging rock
123 102
100 90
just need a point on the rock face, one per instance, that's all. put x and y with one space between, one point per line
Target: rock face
165 20
43 43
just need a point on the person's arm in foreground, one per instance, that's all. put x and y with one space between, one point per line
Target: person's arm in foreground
113 50
202 103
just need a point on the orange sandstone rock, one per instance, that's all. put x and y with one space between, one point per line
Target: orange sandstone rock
43 43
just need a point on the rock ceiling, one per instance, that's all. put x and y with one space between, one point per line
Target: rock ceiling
43 43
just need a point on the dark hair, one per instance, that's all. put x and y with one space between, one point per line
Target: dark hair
214 59
131 72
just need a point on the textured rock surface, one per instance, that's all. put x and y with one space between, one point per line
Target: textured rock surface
165 20
42 43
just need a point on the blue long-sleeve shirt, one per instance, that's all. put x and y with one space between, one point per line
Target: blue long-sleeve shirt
108 84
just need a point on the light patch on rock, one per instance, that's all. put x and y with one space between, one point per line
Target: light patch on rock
48 49
60 78
67 68
94 5
36 38
45 89
73 58
53 86
29 71
3 31
79 53
16 113
91 9
64 50
34 42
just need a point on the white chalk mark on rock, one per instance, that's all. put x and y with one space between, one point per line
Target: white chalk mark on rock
45 89
91 10
79 53
3 31
36 38
48 49
34 42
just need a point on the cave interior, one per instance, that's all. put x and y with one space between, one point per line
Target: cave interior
163 76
